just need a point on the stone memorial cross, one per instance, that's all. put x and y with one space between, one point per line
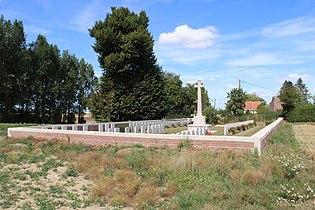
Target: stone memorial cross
199 85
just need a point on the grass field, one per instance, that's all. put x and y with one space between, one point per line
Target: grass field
39 174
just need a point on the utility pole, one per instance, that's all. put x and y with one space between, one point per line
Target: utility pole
214 102
239 84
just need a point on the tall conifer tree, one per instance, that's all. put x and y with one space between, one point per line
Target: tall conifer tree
132 86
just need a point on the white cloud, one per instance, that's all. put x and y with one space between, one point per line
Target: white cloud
229 86
92 12
290 27
293 77
239 35
186 56
296 76
264 59
189 37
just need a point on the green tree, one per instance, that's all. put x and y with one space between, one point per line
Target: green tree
12 66
175 95
288 96
303 92
132 83
181 99
211 115
236 101
253 97
68 89
47 80
192 93
36 83
85 81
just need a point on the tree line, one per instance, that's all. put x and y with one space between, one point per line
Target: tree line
38 83
43 85
297 102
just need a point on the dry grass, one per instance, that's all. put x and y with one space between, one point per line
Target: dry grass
305 134
249 176
148 196
119 190
163 178
91 163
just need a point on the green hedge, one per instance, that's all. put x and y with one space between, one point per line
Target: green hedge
302 113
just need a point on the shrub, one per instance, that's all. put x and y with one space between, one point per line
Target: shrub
302 113
71 173
184 144
147 197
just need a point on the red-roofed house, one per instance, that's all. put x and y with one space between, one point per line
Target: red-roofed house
275 104
251 106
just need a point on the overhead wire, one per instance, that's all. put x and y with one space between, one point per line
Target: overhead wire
257 85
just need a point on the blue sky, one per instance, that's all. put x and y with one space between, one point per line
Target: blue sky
261 42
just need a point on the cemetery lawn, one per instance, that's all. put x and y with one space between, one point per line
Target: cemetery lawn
251 131
177 129
41 174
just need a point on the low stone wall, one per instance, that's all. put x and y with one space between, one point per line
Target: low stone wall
262 137
255 142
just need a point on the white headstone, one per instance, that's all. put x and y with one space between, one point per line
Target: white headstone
142 129
106 127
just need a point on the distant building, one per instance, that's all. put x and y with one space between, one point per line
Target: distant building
251 106
275 104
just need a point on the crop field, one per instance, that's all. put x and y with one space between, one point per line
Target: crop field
305 134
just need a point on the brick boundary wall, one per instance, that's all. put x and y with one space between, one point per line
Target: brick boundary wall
252 143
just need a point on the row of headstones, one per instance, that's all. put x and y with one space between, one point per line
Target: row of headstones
145 128
197 132
147 124
156 128
101 127
110 127
152 126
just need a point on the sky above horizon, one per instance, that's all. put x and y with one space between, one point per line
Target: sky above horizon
260 42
